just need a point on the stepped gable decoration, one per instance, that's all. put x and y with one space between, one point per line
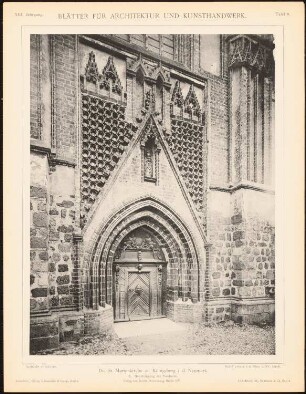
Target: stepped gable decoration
109 73
91 70
105 136
246 52
191 104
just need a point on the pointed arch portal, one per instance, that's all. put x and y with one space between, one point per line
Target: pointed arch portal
143 257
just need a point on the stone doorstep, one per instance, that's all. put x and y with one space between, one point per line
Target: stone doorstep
147 327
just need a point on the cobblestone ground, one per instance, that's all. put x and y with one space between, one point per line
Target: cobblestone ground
227 338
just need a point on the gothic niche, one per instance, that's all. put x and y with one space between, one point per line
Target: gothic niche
150 89
139 245
150 155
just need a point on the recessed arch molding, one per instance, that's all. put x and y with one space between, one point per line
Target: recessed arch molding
185 256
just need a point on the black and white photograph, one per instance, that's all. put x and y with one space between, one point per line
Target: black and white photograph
152 194
153 199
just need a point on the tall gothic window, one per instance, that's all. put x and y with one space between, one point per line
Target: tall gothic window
138 39
168 45
154 43
125 37
163 44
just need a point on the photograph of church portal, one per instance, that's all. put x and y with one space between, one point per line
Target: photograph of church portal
152 194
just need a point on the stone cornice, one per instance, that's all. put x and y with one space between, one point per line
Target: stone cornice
40 147
62 162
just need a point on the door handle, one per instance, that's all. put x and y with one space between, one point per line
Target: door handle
138 290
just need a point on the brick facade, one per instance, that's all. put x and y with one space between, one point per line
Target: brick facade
132 132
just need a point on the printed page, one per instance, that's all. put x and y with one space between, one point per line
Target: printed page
153 197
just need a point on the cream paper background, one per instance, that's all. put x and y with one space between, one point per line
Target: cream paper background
280 372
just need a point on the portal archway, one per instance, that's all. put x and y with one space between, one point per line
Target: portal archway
177 272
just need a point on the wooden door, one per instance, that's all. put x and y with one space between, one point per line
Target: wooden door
138 295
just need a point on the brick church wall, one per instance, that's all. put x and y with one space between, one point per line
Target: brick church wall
35 103
65 96
237 270
218 133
